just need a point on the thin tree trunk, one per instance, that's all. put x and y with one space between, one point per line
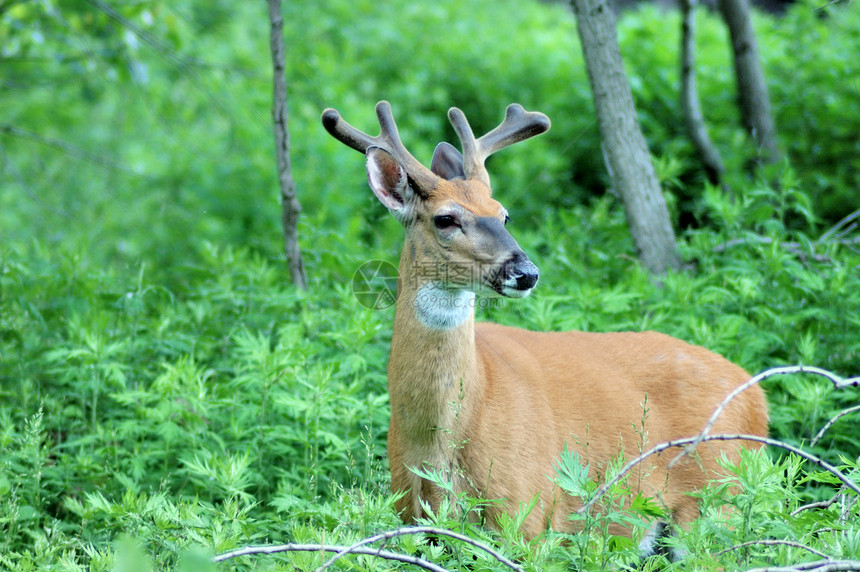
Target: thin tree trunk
289 203
752 89
695 121
626 152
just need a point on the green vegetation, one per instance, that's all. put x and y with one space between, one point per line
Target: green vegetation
166 396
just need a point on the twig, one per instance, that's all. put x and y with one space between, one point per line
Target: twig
688 442
847 508
162 47
817 566
797 248
68 149
838 382
833 230
819 504
832 421
696 129
771 542
290 207
422 530
274 549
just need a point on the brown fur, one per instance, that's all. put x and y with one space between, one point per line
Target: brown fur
492 407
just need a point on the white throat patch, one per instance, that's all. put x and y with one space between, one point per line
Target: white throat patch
441 308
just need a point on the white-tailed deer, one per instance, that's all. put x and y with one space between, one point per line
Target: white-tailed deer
491 406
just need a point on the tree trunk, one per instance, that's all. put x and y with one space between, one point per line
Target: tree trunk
289 203
696 130
752 89
626 152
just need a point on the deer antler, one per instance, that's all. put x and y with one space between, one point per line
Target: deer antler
388 139
518 125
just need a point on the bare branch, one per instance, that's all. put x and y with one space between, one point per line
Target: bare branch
162 47
70 150
692 441
836 228
361 548
290 207
819 504
693 117
274 549
846 508
838 382
771 542
817 566
422 530
832 421
832 236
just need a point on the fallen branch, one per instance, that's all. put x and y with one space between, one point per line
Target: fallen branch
274 549
422 530
361 548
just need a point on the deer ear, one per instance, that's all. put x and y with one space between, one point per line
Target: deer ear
447 162
388 180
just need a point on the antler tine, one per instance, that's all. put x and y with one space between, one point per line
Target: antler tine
518 125
388 139
346 133
473 165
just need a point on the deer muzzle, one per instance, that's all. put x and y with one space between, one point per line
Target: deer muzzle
515 275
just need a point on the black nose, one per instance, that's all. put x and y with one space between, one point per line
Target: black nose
522 269
527 281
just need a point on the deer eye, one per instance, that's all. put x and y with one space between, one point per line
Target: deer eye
444 221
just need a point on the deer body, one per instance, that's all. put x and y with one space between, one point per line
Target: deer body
491 407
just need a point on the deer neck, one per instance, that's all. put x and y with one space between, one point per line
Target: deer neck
433 367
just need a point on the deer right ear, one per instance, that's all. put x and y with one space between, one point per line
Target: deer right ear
388 180
447 162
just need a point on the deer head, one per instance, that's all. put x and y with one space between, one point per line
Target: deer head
455 231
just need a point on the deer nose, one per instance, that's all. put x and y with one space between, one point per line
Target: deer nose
524 272
528 278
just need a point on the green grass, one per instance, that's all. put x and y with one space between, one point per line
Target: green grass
236 410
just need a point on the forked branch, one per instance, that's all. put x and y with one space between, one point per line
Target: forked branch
360 547
276 548
689 444
422 530
839 382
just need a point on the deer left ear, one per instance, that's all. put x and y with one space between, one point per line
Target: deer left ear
447 162
388 181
